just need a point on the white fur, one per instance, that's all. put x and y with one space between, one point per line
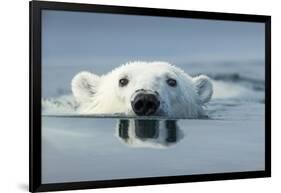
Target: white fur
102 94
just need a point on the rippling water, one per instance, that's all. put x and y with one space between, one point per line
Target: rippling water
85 148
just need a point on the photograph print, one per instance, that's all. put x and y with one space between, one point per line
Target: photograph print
135 96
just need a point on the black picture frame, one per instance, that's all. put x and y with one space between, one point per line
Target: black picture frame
35 184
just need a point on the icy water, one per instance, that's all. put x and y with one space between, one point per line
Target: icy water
231 139
83 149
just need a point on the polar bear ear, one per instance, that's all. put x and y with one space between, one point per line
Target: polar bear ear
204 87
84 86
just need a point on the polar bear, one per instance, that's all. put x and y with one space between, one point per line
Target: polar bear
143 89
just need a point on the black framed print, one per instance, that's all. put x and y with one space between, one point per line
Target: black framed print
125 96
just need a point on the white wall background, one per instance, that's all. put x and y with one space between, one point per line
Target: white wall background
14 95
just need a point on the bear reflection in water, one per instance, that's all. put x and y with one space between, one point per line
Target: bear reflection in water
149 133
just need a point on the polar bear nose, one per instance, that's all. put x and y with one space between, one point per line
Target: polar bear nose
145 104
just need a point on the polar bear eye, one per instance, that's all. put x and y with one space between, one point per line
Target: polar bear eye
171 82
123 82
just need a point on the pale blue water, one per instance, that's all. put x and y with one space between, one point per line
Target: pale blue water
230 140
84 149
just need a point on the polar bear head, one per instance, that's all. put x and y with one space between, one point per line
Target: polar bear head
143 89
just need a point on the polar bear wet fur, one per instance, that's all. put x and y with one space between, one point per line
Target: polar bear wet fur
143 88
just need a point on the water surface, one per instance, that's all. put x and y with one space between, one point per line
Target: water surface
84 149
